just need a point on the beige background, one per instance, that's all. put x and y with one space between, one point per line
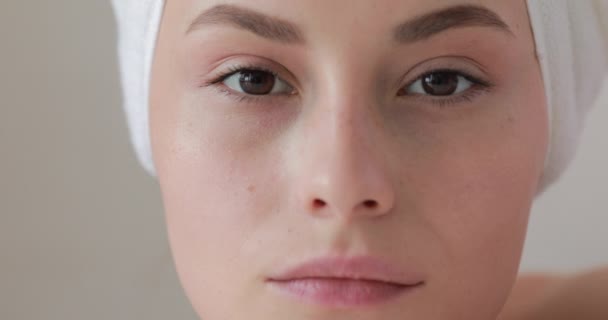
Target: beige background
81 225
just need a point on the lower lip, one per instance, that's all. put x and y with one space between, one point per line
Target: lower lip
342 292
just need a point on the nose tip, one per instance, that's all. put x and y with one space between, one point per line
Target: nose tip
319 204
368 208
349 201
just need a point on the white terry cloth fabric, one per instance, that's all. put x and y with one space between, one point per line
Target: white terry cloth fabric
571 43
138 22
572 46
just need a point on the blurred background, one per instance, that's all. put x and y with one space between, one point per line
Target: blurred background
82 231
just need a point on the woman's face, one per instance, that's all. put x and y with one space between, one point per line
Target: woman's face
387 130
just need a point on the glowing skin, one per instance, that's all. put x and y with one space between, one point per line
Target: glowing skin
355 161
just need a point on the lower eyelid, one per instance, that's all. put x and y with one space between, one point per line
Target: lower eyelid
466 96
236 96
244 97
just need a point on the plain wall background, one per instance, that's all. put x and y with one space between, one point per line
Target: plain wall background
81 227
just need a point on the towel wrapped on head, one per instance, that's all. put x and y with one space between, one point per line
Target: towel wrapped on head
571 43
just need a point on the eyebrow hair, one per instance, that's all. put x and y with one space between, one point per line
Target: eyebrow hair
268 27
432 23
416 29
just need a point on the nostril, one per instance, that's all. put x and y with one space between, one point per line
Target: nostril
318 203
370 203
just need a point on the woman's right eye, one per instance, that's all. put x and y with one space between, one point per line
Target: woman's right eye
256 82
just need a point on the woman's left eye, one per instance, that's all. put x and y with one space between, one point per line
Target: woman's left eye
440 83
256 82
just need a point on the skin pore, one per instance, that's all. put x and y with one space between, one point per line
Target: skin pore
360 148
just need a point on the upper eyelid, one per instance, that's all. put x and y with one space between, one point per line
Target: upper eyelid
225 74
232 70
476 80
231 73
278 71
446 62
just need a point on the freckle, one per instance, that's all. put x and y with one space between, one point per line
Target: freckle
251 188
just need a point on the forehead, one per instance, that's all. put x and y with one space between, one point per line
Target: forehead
339 18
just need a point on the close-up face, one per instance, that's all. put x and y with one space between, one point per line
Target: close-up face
396 143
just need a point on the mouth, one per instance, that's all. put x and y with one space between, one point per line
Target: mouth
346 282
342 292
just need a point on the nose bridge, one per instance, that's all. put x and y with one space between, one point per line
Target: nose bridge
341 173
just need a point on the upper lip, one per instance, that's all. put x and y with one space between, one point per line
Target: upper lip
361 267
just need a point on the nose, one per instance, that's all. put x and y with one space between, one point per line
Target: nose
339 168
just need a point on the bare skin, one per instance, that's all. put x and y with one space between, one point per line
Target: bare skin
554 296
349 154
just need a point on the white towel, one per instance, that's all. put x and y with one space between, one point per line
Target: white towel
571 41
138 24
572 45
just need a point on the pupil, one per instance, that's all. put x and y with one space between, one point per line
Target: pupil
256 82
440 83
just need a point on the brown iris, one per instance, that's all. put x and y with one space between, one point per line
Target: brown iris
256 82
440 83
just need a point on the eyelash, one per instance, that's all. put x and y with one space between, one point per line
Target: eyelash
478 86
238 97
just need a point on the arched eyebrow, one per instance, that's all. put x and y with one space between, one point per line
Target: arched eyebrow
432 23
416 29
265 26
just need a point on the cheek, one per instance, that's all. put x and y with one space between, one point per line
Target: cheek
215 218
485 183
214 193
218 195
476 191
479 214
480 173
